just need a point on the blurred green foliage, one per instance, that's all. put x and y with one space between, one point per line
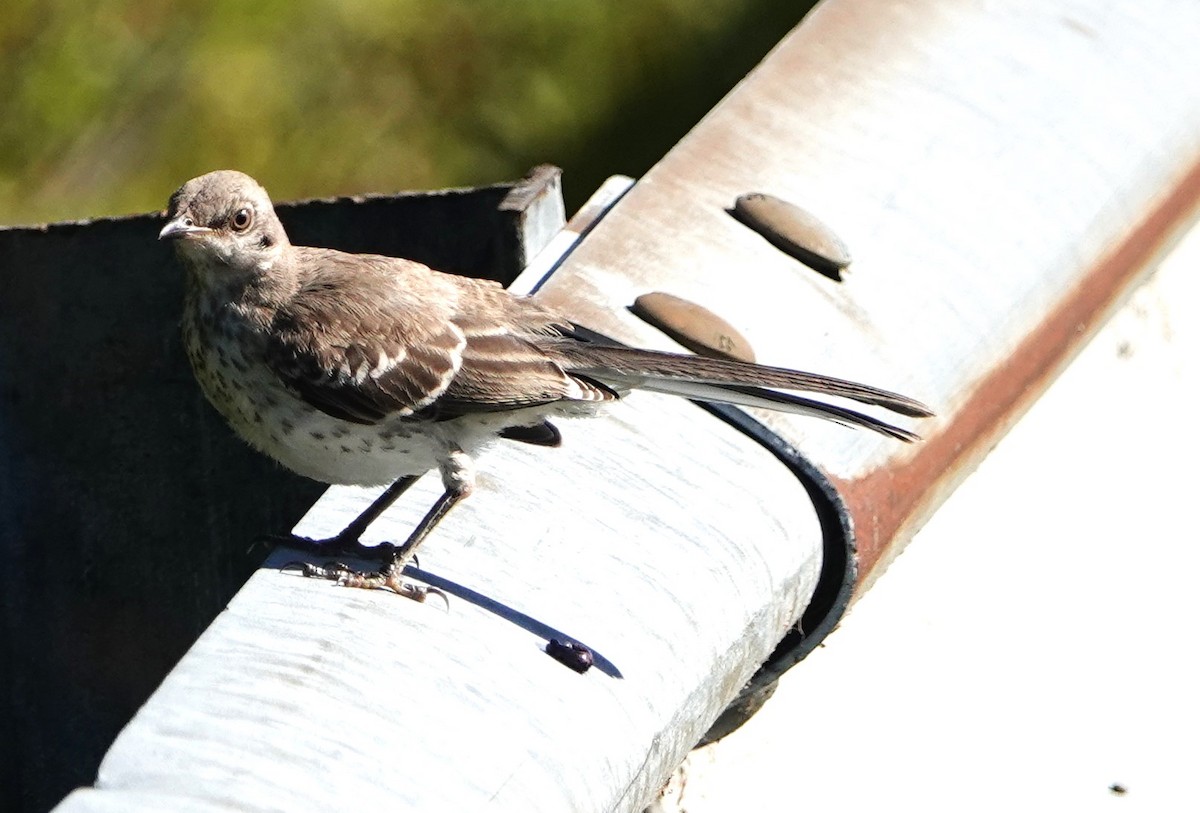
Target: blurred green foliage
106 106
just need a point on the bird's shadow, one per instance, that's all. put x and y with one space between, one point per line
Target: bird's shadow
281 558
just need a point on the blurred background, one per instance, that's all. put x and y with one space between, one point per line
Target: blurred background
106 106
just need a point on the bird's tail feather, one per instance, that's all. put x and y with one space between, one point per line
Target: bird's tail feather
781 401
735 382
633 363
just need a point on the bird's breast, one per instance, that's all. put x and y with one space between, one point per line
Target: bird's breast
228 358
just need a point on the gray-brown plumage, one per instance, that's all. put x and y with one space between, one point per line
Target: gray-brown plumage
362 369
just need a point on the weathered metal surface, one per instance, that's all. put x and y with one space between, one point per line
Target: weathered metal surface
536 206
694 326
1053 593
1003 173
560 245
794 230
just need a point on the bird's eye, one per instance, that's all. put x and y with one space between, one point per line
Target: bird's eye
241 220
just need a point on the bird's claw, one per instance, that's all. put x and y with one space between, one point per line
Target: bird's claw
389 578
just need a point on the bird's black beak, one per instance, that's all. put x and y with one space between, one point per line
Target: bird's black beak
181 226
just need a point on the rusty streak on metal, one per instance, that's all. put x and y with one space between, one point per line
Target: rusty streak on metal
987 247
889 503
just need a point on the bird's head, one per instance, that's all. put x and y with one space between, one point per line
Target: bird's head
223 223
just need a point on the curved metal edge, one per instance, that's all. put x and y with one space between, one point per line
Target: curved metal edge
839 563
835 584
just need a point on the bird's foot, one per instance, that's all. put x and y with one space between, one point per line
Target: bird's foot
386 578
340 545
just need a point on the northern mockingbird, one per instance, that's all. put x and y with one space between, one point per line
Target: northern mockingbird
361 369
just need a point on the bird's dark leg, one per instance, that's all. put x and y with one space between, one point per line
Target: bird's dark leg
458 476
390 576
347 541
352 532
405 553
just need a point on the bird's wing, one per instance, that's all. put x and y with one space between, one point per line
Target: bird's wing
359 347
370 338
503 369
